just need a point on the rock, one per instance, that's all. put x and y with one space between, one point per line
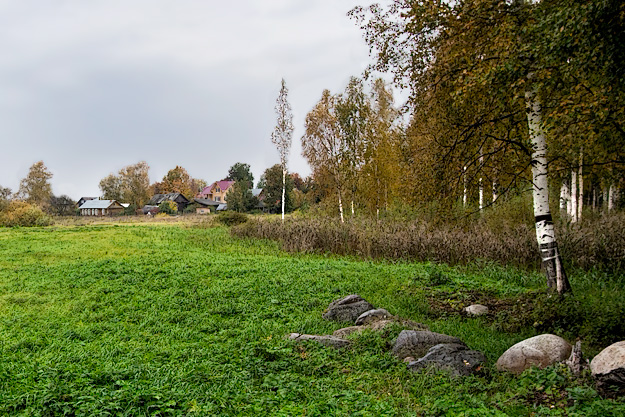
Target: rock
476 310
346 331
347 308
416 343
379 326
541 351
326 340
608 369
457 359
373 315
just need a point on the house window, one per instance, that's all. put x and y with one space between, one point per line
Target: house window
217 198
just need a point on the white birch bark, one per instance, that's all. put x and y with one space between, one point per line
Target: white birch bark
464 195
283 190
580 179
545 231
495 194
573 206
612 197
481 185
564 197
341 208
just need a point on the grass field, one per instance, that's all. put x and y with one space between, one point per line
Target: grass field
167 319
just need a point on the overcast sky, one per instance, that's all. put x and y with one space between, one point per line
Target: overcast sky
92 86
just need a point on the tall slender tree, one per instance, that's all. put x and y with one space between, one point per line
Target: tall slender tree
322 144
35 188
282 134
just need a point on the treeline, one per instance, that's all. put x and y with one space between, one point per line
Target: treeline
472 68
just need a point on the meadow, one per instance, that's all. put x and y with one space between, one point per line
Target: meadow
172 319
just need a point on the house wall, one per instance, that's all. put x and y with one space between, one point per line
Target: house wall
202 210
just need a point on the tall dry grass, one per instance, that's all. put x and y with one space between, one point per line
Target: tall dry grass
597 243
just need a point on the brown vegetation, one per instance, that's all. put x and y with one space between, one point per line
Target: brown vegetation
600 243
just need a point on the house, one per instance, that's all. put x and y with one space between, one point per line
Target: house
216 191
83 200
260 196
181 201
100 208
205 206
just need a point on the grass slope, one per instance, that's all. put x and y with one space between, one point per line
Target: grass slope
168 320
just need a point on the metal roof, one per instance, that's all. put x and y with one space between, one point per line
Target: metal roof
206 202
99 204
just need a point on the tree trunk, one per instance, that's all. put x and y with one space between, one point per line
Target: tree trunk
283 190
573 206
495 194
612 197
545 232
580 179
481 184
464 195
564 197
341 208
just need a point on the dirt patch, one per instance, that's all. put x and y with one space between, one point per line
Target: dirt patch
445 304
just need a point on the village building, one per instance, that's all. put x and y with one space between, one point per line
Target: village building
181 201
101 208
205 206
83 200
216 191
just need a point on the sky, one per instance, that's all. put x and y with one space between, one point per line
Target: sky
89 87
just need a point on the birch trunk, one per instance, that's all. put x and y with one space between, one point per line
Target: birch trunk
283 190
611 197
481 184
564 197
580 179
573 206
495 194
545 232
464 195
341 208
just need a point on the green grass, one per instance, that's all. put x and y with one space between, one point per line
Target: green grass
171 320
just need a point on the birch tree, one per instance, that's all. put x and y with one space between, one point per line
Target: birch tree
322 145
450 47
282 134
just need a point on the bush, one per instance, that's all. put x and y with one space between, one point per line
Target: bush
232 218
168 207
20 213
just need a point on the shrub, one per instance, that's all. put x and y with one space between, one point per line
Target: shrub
168 207
232 218
20 213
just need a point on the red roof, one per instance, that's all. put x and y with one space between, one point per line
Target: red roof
223 186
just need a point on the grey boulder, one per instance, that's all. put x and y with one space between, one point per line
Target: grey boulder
416 343
326 340
541 351
347 308
373 315
476 310
608 369
454 358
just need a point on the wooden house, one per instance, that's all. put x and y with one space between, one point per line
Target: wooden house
216 191
205 206
181 201
101 208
